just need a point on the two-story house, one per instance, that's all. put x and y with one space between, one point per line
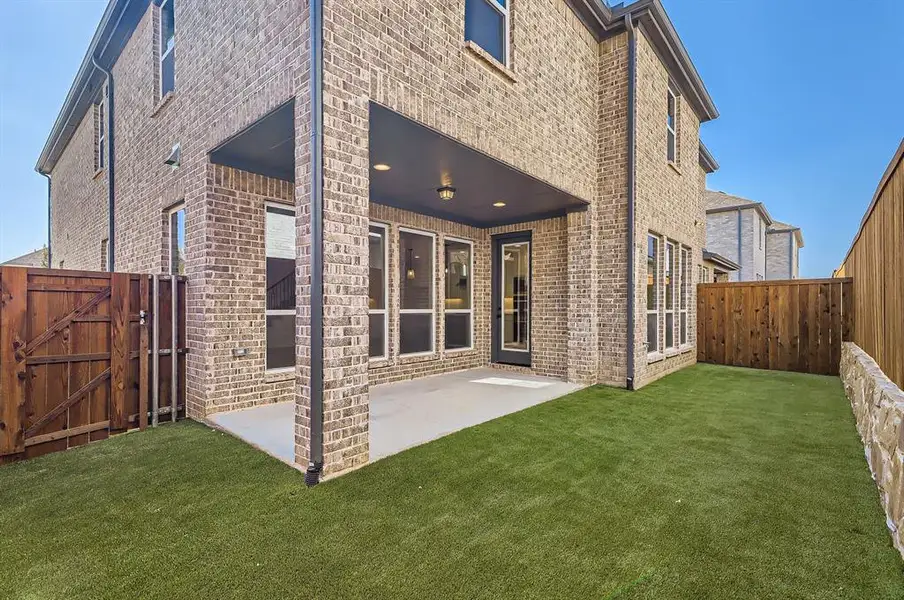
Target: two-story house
365 192
744 232
783 244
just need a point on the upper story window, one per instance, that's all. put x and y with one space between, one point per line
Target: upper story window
487 25
672 127
167 47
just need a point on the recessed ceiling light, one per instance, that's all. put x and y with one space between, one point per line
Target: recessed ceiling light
381 167
498 204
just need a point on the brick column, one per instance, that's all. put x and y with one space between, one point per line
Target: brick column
345 270
583 318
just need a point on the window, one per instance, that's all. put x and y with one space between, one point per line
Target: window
704 275
280 252
671 292
167 47
459 274
377 289
487 25
654 292
672 127
685 299
417 291
101 129
176 237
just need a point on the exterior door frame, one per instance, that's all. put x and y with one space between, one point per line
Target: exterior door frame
497 353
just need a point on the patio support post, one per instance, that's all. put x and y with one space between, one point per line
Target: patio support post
332 170
583 301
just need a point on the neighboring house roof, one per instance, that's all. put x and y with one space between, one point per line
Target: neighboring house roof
706 159
32 259
122 16
725 263
779 227
715 202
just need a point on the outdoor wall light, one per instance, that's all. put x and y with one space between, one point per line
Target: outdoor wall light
381 167
410 271
446 192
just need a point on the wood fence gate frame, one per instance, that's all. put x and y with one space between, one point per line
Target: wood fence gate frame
785 325
35 421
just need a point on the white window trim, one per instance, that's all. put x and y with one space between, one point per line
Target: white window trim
420 311
657 292
462 311
282 312
504 11
165 51
385 310
672 147
684 287
674 279
169 235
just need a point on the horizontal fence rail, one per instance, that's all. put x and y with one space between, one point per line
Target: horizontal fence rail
789 325
75 356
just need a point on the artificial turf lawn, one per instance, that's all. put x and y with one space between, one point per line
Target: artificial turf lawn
711 483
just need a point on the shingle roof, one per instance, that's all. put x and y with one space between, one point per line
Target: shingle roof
32 259
713 199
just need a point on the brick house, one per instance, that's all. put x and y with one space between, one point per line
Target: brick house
744 232
783 244
472 174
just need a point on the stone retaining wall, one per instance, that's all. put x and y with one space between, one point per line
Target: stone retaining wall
878 406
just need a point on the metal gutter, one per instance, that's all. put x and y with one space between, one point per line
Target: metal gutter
632 293
315 454
111 169
651 15
706 159
110 28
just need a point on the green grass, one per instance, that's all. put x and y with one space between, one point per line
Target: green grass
711 483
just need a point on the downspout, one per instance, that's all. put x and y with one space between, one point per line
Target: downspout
740 238
49 221
315 454
790 255
111 168
632 293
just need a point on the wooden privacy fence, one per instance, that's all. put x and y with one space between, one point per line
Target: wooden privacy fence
793 325
86 355
876 262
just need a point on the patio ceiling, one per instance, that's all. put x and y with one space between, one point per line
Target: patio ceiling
422 160
267 146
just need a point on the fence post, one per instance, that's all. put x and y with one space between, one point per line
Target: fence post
143 382
13 301
120 349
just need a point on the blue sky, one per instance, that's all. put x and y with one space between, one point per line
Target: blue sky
810 93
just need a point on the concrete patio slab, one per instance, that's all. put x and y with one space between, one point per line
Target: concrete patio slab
408 413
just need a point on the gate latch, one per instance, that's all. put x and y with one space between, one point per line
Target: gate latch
142 315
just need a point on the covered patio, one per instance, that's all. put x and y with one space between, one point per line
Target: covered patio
468 263
408 413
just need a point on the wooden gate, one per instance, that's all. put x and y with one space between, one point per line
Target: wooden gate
788 325
80 356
